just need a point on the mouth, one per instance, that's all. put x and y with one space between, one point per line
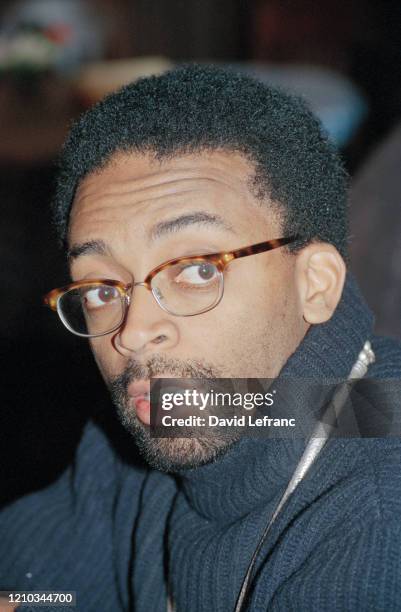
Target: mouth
139 396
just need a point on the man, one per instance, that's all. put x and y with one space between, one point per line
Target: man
179 168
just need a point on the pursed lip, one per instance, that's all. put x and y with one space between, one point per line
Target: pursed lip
139 394
139 388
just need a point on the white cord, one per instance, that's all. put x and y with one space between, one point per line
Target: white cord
316 442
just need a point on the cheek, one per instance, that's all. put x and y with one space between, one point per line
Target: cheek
262 292
235 334
255 328
109 362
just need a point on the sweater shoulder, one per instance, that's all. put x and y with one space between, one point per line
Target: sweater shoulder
95 473
383 460
362 481
349 571
57 536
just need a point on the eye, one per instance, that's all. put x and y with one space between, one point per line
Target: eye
197 274
96 297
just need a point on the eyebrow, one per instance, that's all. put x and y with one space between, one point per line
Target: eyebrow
195 218
99 247
93 247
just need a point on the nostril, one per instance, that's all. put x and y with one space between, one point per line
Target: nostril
159 339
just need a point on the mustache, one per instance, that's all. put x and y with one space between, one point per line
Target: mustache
158 365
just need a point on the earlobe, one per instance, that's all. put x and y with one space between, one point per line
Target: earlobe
321 274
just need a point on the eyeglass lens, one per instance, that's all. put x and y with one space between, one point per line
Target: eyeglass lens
188 288
183 289
92 309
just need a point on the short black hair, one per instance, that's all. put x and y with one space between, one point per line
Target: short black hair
199 108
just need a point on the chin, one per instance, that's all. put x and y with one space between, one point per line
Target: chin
173 454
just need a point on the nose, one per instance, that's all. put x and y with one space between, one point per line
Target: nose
146 328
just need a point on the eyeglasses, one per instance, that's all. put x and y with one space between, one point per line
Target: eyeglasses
183 287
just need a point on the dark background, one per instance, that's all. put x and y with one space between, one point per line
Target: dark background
49 379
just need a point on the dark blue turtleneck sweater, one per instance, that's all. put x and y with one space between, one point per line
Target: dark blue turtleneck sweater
118 535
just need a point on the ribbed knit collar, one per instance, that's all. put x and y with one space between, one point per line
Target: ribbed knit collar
255 471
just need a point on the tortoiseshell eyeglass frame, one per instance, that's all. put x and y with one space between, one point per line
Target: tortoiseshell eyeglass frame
220 260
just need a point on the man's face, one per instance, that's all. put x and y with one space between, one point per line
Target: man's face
139 212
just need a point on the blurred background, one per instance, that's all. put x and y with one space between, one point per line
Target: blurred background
57 57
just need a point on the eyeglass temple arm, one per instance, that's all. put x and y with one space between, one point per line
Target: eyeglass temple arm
50 301
261 247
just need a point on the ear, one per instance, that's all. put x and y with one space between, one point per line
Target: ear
320 274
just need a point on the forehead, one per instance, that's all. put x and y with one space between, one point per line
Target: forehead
147 166
135 187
